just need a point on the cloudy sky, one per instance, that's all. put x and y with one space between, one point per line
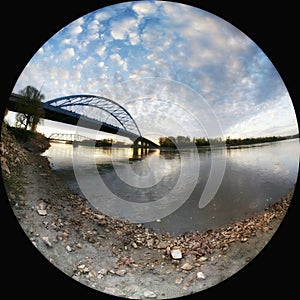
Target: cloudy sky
177 69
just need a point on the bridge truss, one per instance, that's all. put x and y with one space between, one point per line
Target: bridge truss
98 108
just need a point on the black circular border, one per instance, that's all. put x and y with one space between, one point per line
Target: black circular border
27 26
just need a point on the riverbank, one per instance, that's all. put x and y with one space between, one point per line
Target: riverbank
116 257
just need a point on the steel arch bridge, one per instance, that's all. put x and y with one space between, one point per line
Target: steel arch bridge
93 106
90 111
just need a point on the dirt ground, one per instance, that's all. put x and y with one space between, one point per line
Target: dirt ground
118 258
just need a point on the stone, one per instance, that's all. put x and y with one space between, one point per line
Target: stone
42 212
202 259
150 243
176 254
200 275
179 280
162 245
100 217
121 272
68 248
22 198
149 294
81 267
79 245
186 267
103 271
47 241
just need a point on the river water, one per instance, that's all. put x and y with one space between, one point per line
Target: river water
254 178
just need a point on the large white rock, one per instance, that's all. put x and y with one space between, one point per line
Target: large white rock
176 254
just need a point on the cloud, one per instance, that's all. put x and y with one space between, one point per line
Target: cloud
76 27
144 8
93 30
121 29
103 15
40 51
118 61
66 54
101 51
274 117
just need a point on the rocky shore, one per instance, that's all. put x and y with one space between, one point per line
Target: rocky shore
115 256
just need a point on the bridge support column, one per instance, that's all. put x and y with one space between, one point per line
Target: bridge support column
136 148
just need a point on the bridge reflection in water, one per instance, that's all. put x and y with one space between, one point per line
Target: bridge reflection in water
140 149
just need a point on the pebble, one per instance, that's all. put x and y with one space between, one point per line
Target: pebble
186 267
202 259
79 245
42 212
103 271
149 294
47 241
179 280
121 272
81 267
176 254
68 248
150 243
162 245
200 275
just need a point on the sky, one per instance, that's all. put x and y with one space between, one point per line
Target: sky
177 69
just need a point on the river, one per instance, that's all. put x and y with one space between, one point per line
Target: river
254 178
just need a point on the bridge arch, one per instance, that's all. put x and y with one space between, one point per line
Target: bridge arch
93 106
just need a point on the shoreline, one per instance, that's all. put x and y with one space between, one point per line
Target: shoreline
123 259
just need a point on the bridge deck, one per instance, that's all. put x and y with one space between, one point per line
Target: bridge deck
61 115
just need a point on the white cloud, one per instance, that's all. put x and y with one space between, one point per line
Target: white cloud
75 75
101 50
143 71
117 60
66 42
56 73
93 25
101 64
103 67
75 30
67 54
93 29
76 27
102 15
88 61
40 51
121 29
134 38
144 8
274 118
156 40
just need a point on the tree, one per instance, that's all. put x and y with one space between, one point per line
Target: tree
33 100
168 142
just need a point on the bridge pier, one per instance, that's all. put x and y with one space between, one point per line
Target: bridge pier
140 148
136 149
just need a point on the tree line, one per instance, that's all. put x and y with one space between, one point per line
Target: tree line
181 141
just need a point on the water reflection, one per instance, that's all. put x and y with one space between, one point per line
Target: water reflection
255 177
